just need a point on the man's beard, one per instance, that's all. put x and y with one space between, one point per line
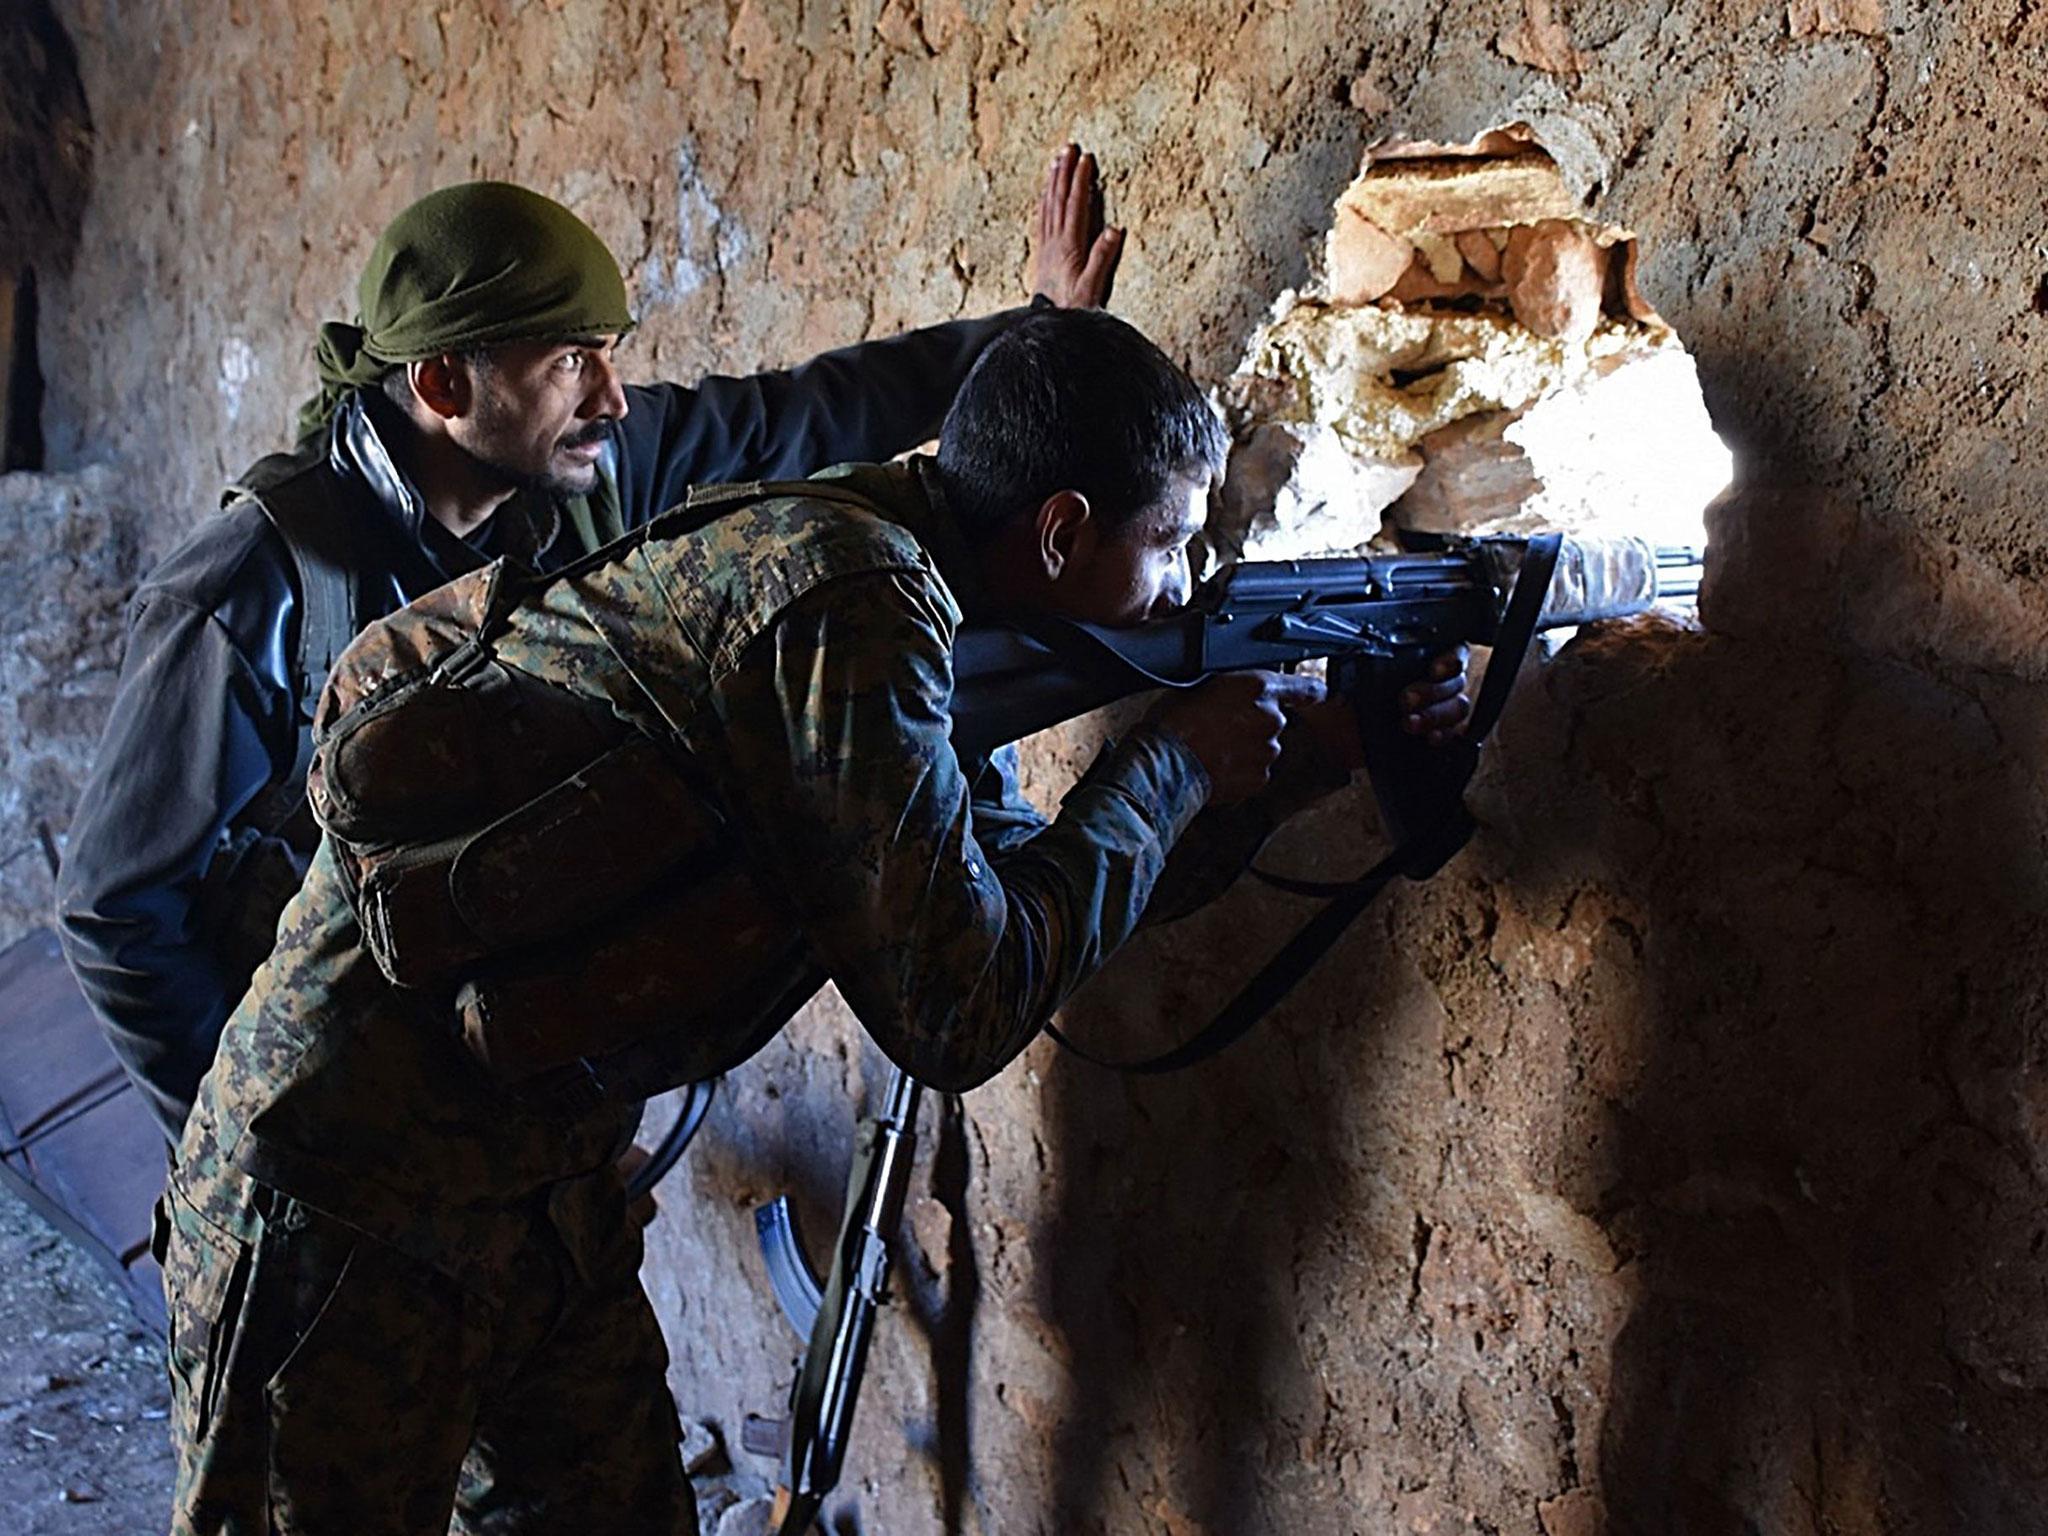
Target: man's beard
578 482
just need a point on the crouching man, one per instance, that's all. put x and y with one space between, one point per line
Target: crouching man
598 834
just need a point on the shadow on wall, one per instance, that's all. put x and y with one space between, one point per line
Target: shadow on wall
1829 1168
939 1277
1806 1122
1206 1217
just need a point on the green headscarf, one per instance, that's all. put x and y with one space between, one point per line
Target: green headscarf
466 267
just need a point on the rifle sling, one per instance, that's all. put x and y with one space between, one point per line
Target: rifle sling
1517 632
1264 991
1418 857
319 537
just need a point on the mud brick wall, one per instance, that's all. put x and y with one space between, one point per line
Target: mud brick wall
1674 1162
72 543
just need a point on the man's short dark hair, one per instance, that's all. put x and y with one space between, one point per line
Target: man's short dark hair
397 387
1073 400
397 384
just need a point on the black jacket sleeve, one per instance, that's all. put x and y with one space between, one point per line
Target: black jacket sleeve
862 403
192 739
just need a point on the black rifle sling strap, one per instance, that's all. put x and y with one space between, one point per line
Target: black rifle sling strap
1419 856
318 533
317 530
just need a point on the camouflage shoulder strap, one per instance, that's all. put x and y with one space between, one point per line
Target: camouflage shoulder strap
300 504
707 503
710 501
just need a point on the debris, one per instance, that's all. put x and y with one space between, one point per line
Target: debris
70 1411
1555 278
1625 447
1421 285
703 1449
1442 258
1383 378
1510 376
1823 18
1541 42
1364 260
712 1503
1297 490
1445 194
751 1517
1480 253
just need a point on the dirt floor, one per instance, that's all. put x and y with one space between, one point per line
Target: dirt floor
84 1445
84 1439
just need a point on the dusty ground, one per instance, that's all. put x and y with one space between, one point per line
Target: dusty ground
83 1443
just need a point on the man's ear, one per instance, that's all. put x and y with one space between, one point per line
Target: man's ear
441 384
1066 531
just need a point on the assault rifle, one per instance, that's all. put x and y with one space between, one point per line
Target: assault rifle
1378 621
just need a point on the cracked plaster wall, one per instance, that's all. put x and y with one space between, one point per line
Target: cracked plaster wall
1674 1162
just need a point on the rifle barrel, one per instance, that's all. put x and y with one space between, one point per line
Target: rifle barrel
1679 569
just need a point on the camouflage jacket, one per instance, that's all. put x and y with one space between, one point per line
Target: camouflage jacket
173 861
800 649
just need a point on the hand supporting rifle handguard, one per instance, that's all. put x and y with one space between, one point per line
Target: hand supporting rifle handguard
1378 621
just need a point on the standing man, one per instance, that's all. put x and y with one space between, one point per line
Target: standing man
401 1283
473 410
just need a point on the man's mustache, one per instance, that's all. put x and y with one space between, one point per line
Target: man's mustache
589 436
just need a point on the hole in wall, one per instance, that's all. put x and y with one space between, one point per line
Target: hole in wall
1475 357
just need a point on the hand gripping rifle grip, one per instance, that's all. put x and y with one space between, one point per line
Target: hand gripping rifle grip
1421 788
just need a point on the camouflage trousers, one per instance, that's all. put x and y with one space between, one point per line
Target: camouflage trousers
324 1382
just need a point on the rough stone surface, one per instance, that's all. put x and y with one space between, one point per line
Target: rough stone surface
1817 18
1416 195
1541 41
1623 449
1474 420
1555 277
45 143
72 543
1480 253
1674 1162
1295 489
1477 368
1364 260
